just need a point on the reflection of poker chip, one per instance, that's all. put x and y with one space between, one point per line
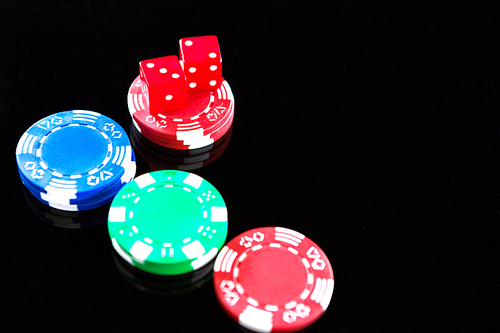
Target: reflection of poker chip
75 160
168 222
273 279
207 117
66 219
163 284
162 158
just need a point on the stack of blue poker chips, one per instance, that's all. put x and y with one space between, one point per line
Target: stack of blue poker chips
75 160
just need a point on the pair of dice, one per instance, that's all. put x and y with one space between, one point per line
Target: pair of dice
168 79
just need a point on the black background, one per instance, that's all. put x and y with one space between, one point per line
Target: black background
370 128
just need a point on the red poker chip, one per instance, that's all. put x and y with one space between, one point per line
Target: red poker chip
190 142
192 138
273 279
189 145
204 112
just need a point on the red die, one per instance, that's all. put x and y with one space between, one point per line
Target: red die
166 84
202 62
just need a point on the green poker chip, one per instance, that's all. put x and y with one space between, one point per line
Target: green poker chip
168 222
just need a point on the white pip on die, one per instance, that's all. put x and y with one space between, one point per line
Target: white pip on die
166 84
202 62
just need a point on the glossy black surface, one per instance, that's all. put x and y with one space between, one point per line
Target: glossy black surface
371 129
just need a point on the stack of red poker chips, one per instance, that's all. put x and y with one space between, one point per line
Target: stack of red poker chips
207 117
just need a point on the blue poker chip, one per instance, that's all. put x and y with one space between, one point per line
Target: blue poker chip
78 203
98 200
74 155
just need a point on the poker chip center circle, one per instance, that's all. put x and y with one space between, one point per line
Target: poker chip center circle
86 150
174 216
265 275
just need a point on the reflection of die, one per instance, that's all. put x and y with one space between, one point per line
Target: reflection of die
202 62
166 84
